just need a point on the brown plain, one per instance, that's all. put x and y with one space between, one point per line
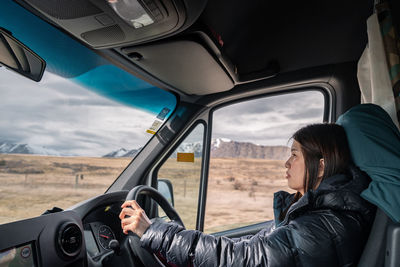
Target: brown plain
240 190
31 184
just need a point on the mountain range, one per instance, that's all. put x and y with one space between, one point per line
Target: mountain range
122 153
225 148
220 148
9 148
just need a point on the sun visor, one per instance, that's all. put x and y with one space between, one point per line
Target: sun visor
184 64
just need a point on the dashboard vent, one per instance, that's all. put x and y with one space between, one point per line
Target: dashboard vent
70 239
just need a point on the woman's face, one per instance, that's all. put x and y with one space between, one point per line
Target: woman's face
295 168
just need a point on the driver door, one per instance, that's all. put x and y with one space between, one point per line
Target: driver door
224 172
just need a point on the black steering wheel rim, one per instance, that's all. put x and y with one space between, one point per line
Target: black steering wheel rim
158 198
147 258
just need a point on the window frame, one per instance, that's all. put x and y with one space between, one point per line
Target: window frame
328 115
205 117
166 156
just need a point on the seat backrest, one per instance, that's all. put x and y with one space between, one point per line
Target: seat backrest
383 245
374 142
392 256
374 251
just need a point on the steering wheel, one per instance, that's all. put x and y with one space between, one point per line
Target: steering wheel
145 256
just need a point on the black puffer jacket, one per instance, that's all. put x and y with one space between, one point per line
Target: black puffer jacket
326 227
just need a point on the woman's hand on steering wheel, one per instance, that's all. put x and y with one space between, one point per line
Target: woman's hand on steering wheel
133 218
138 223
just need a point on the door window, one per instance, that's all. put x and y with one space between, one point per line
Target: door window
183 170
62 142
250 144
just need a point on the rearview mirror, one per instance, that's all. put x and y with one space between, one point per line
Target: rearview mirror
18 57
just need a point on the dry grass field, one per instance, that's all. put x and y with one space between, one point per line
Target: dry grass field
240 190
32 184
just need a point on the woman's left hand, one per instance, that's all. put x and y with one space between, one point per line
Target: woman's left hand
138 222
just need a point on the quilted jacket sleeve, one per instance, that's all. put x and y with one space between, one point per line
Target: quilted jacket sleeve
268 228
183 247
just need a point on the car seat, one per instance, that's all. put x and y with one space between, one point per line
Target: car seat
374 142
383 245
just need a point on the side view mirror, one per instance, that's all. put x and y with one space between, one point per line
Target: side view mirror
18 57
165 188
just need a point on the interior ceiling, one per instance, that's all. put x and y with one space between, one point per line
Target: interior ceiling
262 38
252 39
296 34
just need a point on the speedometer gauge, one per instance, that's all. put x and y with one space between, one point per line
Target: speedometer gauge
105 236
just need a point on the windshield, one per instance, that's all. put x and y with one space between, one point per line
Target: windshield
67 138
61 143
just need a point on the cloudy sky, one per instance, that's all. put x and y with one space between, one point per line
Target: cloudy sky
268 121
62 116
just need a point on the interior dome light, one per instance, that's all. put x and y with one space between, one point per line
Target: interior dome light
132 12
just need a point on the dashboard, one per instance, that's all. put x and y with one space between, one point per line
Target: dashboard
48 240
80 236
101 227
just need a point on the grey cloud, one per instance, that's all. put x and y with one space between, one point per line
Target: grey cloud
84 102
86 124
246 109
85 134
282 117
278 135
316 113
21 132
287 104
36 127
67 118
10 137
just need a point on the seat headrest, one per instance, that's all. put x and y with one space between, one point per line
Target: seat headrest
374 142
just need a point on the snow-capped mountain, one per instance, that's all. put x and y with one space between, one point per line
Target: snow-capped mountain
220 148
196 148
116 154
131 153
122 153
9 148
215 143
225 148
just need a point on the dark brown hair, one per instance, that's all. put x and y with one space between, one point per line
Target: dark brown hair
321 141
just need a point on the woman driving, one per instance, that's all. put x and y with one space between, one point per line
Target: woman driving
325 223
